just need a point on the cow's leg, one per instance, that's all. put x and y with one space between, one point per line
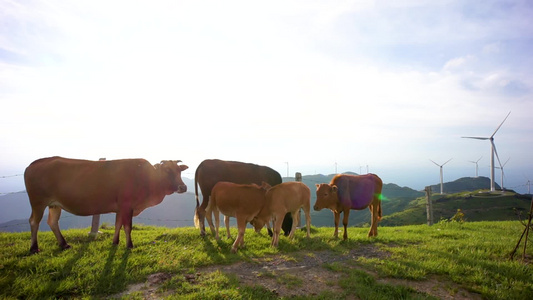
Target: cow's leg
226 222
127 221
201 211
269 228
118 226
337 217
278 221
345 223
374 212
295 221
35 219
308 220
217 221
239 241
54 213
209 216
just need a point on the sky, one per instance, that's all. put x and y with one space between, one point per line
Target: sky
315 87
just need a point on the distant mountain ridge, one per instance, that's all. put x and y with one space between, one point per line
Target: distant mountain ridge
464 184
177 210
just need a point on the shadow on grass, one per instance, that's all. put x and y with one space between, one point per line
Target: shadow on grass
113 275
56 278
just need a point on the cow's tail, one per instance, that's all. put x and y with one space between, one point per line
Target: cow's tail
379 198
379 211
196 219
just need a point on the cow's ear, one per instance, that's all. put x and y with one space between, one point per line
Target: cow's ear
265 186
334 188
317 185
183 167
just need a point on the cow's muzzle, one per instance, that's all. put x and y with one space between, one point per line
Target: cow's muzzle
182 189
316 208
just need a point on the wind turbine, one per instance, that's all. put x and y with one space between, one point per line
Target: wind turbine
441 184
475 162
492 151
528 183
501 168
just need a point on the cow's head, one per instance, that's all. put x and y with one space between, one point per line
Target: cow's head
326 196
264 216
171 171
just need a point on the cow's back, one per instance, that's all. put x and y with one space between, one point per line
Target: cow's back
211 171
290 195
357 191
238 199
74 184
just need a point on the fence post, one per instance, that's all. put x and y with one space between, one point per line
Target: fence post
298 177
429 206
96 221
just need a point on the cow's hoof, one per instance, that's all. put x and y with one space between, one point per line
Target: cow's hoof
233 250
65 247
34 251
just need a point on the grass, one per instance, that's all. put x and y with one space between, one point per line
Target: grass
471 255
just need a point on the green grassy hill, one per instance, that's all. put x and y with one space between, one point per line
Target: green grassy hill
449 260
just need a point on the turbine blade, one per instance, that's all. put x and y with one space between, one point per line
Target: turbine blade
435 163
475 137
500 125
506 162
447 161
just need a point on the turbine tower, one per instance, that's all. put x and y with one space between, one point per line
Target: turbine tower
475 162
492 151
501 168
441 184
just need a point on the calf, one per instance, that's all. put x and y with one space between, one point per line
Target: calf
284 198
241 201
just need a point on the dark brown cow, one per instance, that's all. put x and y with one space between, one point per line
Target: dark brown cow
347 192
85 188
211 171
287 197
241 201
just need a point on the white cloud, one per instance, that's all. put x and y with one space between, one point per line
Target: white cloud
349 81
459 63
492 48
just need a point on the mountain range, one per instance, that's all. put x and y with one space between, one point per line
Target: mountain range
177 210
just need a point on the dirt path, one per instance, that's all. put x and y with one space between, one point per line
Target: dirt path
300 274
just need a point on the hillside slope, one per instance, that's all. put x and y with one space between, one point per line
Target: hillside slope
476 206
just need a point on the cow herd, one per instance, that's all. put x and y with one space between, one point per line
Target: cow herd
250 193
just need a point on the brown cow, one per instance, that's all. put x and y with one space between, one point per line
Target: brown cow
241 201
211 171
347 192
287 197
85 188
